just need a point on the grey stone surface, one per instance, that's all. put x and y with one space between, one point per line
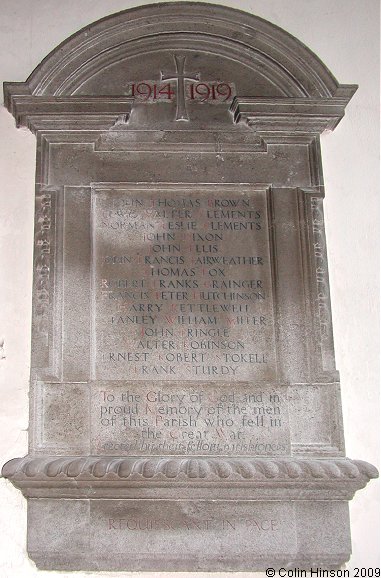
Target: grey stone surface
185 404
189 535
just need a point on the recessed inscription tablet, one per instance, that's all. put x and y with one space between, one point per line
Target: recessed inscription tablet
182 284
199 419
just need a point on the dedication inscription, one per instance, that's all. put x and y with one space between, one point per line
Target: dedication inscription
160 420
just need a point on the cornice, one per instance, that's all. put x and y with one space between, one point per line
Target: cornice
69 113
270 117
289 115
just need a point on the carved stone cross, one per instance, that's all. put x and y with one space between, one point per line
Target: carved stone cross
180 77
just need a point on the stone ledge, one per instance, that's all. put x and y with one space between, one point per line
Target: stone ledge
257 478
95 467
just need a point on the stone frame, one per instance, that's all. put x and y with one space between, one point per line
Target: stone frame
312 104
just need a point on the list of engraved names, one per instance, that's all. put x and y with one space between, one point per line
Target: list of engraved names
182 284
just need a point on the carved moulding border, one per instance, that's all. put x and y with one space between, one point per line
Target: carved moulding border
323 300
198 477
289 115
119 138
69 113
181 141
43 258
289 64
317 282
46 259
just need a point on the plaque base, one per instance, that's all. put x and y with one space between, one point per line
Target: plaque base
240 514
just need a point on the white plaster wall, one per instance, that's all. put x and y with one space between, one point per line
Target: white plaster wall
345 35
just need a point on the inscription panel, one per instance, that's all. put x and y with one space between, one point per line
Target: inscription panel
182 285
207 419
182 529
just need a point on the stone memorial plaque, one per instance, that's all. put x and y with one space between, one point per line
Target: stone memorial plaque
185 405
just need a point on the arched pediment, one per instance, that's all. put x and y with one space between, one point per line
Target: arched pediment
262 59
